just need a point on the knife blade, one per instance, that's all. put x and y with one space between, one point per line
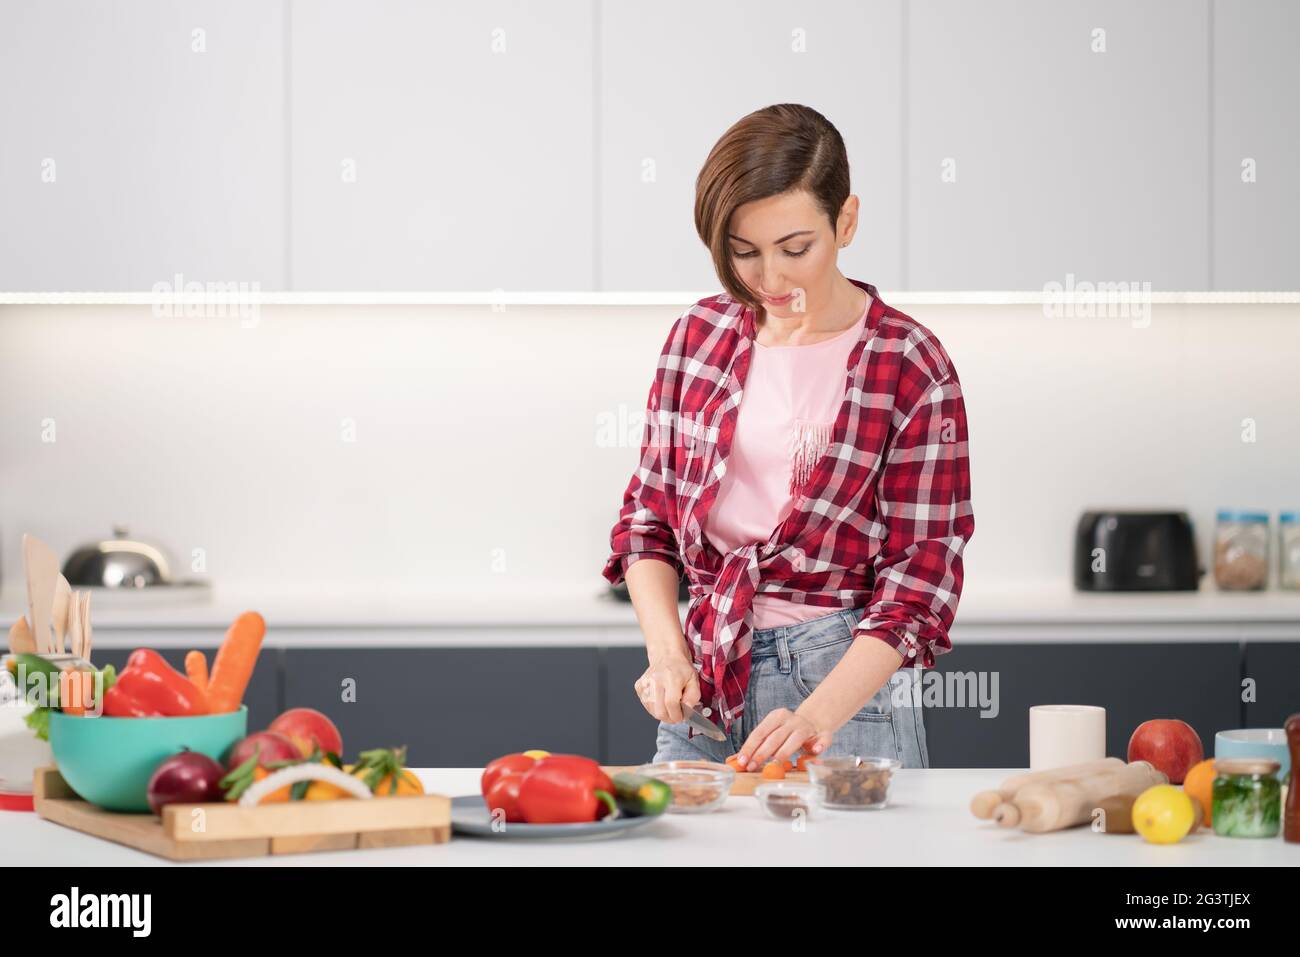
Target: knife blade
698 719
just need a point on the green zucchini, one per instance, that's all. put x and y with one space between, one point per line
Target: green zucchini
639 795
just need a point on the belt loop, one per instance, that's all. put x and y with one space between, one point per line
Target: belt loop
847 616
783 650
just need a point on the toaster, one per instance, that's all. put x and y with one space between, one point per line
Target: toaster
1135 551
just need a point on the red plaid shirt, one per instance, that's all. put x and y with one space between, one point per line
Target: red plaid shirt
881 521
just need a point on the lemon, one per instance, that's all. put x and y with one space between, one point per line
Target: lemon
1163 814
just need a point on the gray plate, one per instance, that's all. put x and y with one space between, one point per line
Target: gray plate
469 815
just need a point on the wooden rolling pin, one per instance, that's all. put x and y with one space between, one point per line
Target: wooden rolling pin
985 804
1055 805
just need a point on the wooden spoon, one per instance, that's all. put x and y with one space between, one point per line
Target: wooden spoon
21 641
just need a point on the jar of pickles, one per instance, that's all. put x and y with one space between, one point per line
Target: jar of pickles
1246 798
1288 550
1241 551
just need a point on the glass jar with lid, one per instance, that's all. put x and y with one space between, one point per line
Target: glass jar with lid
1246 798
1288 550
1241 550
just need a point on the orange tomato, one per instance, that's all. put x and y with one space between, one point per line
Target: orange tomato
774 770
407 784
324 791
733 762
282 794
802 763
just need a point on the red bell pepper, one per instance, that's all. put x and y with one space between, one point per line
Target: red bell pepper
121 704
150 683
500 784
505 765
566 789
503 798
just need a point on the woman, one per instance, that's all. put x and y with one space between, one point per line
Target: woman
805 465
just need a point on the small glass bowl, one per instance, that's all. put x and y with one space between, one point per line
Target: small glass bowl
698 786
852 783
787 800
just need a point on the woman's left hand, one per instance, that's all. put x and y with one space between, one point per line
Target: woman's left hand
781 735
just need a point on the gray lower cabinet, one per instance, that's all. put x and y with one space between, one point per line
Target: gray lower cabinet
462 707
629 729
1275 668
262 696
1197 683
452 707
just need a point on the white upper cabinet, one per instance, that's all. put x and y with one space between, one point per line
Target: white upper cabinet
482 145
674 76
442 146
1256 145
139 141
1056 139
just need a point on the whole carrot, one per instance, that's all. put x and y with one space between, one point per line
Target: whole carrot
75 691
196 668
233 666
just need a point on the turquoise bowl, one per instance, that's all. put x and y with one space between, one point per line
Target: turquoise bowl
109 761
1267 743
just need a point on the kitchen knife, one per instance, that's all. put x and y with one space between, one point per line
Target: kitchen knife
698 720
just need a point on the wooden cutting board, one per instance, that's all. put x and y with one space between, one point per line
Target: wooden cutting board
743 785
188 832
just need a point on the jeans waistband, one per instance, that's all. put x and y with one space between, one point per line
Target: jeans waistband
767 640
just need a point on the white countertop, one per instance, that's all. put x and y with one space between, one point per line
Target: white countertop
927 824
586 615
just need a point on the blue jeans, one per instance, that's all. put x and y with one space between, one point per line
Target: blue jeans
787 663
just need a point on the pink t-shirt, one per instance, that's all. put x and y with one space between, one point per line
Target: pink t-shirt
791 399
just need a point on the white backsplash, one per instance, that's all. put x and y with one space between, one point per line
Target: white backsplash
482 456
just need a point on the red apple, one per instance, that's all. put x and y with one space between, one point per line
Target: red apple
1170 745
270 746
307 728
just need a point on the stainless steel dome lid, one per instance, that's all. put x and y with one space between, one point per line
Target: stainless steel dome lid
119 562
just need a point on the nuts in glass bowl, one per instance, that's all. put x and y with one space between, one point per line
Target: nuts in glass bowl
698 786
852 782
786 800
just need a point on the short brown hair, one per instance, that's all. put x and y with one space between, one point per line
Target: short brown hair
769 152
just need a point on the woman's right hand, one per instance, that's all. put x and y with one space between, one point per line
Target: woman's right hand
668 685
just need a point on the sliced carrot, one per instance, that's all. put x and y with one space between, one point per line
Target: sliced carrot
233 666
196 669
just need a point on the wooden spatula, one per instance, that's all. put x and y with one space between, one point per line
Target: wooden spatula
42 567
61 613
75 632
85 625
